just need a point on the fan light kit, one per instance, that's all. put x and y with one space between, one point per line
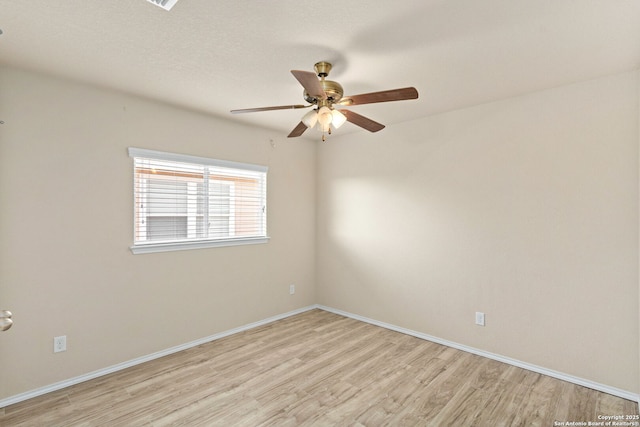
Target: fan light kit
325 95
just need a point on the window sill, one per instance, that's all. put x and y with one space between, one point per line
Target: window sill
201 244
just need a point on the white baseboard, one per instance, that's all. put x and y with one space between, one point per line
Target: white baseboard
555 374
120 366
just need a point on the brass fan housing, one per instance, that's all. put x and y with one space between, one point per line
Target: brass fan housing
333 90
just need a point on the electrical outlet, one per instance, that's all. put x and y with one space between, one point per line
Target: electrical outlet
479 318
60 344
292 289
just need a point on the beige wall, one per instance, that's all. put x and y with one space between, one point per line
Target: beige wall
525 209
66 220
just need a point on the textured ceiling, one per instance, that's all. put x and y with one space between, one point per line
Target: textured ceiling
214 56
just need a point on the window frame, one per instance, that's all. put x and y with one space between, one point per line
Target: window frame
152 247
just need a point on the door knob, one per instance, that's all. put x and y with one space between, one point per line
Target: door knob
5 320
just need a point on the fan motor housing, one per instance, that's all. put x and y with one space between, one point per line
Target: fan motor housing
333 90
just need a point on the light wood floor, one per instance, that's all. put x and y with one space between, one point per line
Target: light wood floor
318 368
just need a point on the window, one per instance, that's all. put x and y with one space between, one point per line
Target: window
188 202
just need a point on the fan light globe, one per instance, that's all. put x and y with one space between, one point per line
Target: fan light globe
338 118
310 118
324 116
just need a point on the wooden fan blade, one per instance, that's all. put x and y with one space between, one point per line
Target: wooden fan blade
362 121
281 107
310 82
383 96
298 130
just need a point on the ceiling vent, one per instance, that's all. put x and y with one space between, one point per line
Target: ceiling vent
165 4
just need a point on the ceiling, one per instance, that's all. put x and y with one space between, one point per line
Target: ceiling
214 56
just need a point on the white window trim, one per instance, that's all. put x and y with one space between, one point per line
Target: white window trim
145 248
162 155
149 248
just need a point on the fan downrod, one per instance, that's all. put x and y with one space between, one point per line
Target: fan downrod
322 68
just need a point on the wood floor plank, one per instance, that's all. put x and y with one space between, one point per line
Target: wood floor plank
318 369
463 409
576 403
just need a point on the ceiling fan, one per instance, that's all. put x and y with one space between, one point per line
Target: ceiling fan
325 95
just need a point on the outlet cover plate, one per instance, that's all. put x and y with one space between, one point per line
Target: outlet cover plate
60 344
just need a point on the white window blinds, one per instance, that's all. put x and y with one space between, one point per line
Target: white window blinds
186 202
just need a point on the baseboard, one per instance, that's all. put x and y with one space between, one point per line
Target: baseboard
555 374
124 365
120 366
